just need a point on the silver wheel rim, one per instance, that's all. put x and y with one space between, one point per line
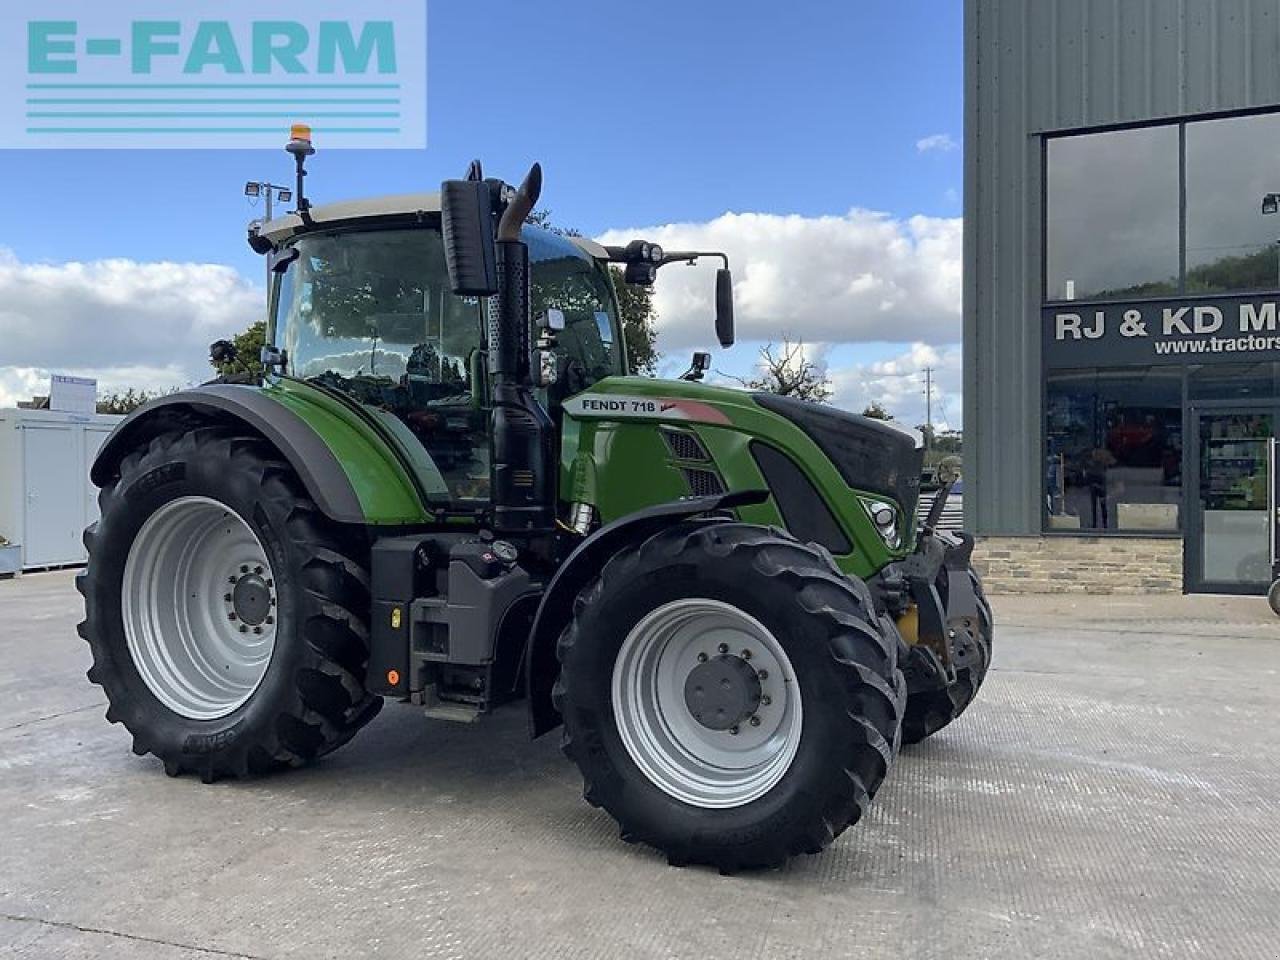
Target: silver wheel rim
679 754
198 602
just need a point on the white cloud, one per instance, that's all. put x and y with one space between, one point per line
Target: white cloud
833 279
898 384
130 324
937 143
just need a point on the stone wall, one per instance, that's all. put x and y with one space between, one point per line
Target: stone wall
1080 564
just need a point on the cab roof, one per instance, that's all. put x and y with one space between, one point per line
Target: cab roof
394 207
374 208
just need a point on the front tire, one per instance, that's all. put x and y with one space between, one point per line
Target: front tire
226 616
728 695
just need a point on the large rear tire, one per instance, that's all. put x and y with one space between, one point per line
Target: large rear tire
728 695
226 616
928 711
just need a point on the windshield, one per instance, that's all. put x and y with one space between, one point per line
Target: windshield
370 313
374 305
363 303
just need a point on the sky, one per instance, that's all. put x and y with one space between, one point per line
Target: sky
818 142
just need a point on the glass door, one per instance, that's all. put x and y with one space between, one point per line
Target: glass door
1229 549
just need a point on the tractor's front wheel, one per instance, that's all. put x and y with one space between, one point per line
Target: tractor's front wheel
728 695
226 617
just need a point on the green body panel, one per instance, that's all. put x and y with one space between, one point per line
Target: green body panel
387 492
622 464
617 464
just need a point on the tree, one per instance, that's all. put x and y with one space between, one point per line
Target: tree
788 373
639 323
127 401
941 446
248 361
635 305
876 411
949 442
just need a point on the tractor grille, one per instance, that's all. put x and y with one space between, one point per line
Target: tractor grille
703 483
685 446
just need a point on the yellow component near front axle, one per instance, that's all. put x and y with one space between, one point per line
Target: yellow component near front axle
909 625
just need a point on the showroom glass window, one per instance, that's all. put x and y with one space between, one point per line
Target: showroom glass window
1113 215
1114 450
1231 165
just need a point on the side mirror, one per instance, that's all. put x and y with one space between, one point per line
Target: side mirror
466 208
552 320
724 307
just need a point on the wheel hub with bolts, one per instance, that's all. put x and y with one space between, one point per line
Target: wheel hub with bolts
251 597
723 692
706 703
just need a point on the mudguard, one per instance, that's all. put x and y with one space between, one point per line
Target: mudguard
556 608
324 476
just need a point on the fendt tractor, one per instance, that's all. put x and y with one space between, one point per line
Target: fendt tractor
447 490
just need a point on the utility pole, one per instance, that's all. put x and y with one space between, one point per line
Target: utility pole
928 408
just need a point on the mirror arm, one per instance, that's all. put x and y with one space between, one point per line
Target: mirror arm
621 255
692 256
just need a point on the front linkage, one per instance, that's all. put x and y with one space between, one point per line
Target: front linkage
945 623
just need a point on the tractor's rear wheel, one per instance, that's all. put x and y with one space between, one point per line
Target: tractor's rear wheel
728 695
225 615
928 711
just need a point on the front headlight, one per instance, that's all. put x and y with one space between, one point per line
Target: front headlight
884 517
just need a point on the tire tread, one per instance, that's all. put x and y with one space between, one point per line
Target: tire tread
328 703
863 657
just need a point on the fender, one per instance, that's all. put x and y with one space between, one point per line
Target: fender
328 481
556 608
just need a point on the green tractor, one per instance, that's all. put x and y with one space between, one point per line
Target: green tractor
446 490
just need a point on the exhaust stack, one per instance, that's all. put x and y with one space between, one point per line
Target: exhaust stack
522 461
522 452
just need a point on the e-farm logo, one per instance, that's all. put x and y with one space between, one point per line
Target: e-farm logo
202 74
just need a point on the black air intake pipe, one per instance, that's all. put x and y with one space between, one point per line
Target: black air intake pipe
523 459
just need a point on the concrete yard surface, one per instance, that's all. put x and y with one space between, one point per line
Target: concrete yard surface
1114 793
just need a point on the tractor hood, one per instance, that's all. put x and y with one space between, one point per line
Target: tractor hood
856 452
871 455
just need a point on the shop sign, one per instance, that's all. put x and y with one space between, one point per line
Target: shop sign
1189 331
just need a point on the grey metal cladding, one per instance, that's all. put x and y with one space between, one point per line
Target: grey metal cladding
1043 66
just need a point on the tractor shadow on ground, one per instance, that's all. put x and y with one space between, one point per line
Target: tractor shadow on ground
440 774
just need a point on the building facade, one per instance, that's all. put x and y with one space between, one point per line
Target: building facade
1122 279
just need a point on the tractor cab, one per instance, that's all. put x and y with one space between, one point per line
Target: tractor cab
361 304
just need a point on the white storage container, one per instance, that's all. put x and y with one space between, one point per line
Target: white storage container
46 497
